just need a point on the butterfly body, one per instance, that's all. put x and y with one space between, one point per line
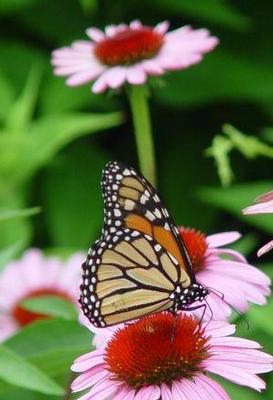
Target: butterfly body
140 265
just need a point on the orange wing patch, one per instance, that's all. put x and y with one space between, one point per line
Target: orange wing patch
162 236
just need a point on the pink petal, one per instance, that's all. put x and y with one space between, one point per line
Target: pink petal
100 84
267 247
166 393
80 78
162 27
179 392
265 197
136 75
8 327
221 239
238 270
260 208
95 34
214 390
116 77
218 329
113 78
234 254
125 393
148 393
234 342
110 30
237 375
152 68
88 360
136 24
89 378
103 390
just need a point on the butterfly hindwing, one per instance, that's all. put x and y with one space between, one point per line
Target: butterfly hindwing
126 278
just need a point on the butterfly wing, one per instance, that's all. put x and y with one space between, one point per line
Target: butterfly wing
131 202
134 268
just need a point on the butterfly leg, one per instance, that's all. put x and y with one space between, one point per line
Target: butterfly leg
203 306
174 327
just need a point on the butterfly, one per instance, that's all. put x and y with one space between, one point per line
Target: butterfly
140 265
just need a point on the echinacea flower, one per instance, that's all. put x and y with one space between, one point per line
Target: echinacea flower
225 272
31 276
264 206
169 358
130 53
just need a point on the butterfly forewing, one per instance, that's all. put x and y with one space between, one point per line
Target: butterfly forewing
131 201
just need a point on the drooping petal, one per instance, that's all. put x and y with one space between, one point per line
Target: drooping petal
222 239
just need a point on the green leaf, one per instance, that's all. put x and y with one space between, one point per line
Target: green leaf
7 95
261 317
246 244
14 227
77 172
218 11
21 112
268 134
45 137
52 344
19 372
9 6
237 197
10 214
56 97
222 75
51 305
19 53
89 6
9 253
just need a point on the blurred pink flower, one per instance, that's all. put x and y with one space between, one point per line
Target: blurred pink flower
226 271
35 275
264 206
130 53
141 362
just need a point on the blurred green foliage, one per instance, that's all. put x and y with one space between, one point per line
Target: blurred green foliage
55 140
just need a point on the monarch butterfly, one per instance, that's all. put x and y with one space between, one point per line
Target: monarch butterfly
140 265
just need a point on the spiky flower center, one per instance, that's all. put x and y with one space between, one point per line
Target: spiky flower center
24 317
129 46
156 349
195 242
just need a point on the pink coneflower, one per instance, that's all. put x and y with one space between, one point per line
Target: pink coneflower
130 53
236 280
264 206
163 357
32 276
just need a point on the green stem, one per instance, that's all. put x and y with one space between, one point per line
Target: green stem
138 97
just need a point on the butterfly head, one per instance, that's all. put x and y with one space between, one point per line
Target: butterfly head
195 292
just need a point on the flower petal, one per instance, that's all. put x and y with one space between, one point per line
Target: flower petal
150 392
221 239
95 34
265 249
213 389
136 75
260 208
162 27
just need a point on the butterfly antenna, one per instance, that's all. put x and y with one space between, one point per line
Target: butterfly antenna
211 312
222 297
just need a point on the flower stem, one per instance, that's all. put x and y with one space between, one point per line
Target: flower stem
138 97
